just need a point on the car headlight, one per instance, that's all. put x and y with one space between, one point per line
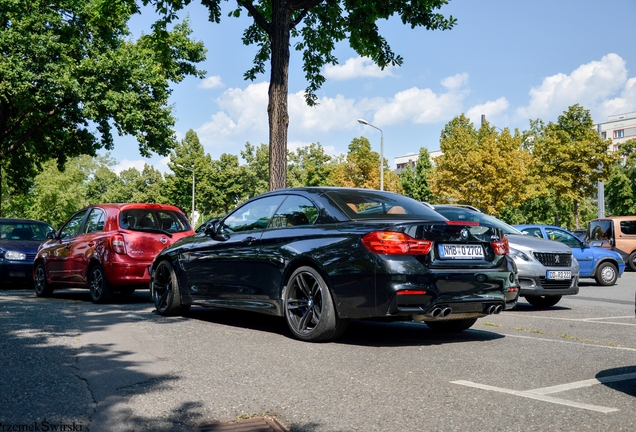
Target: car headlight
14 256
517 255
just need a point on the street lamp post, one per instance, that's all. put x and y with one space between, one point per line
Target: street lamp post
364 122
191 170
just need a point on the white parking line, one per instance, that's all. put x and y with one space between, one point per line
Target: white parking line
584 383
530 395
570 342
594 320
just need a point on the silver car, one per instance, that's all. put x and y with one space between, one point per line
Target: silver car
546 269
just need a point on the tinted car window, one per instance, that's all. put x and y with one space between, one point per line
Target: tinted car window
563 237
462 214
143 219
628 227
95 221
24 231
600 230
371 205
532 232
254 215
295 211
72 227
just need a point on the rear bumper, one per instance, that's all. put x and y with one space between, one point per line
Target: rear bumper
128 273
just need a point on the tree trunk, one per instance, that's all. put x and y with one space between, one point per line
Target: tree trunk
577 216
278 90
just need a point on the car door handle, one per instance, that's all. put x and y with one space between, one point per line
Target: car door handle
248 240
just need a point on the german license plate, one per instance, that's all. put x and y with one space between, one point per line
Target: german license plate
457 251
558 275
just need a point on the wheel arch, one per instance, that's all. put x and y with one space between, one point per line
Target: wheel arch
602 261
306 261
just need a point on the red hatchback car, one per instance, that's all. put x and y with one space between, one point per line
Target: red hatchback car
107 248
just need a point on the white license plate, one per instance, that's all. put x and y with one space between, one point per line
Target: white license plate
558 275
457 251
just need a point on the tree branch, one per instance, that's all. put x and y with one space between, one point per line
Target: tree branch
258 17
29 133
303 4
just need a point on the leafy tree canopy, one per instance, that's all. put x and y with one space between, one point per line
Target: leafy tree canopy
313 27
415 182
70 72
571 156
481 167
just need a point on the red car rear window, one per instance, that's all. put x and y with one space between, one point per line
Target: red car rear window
144 219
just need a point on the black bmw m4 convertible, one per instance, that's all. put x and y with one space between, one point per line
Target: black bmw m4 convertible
320 256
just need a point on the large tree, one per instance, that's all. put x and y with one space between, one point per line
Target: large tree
69 72
415 182
571 157
481 167
313 27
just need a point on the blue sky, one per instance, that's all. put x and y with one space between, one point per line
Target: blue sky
510 60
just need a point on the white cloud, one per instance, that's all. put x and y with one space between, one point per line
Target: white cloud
456 81
423 106
493 111
242 114
211 83
126 163
623 104
590 85
357 67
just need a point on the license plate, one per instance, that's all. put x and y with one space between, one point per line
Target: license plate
456 251
558 275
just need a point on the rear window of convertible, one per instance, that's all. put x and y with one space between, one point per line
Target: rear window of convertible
378 205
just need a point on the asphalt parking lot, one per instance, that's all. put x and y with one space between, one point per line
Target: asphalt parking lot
69 363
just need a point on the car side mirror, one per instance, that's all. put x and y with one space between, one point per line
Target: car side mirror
211 228
50 235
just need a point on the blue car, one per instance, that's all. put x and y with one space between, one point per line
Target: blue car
605 266
19 242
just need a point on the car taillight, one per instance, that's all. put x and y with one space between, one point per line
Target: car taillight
394 243
501 247
117 244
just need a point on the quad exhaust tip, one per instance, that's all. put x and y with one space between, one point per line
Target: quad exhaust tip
440 312
494 309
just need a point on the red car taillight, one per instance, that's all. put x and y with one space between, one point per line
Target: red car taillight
117 244
394 243
501 247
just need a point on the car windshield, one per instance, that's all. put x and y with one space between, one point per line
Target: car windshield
144 219
368 204
24 231
463 214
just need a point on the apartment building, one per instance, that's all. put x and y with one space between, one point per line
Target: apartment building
619 128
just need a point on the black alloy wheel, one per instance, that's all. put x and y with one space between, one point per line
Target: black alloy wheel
451 326
99 289
543 302
606 274
42 286
309 310
165 291
631 261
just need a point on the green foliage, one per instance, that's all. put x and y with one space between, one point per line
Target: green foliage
309 166
620 192
70 72
277 25
415 182
571 157
257 175
481 167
